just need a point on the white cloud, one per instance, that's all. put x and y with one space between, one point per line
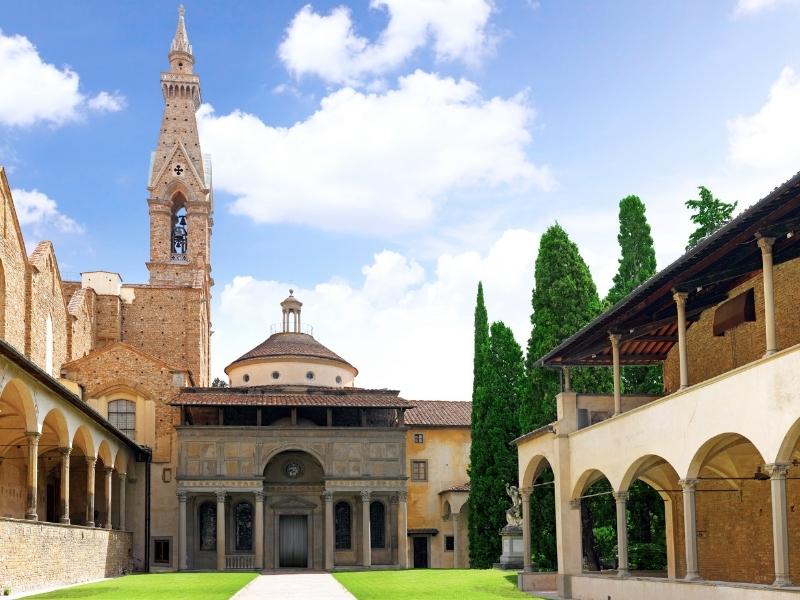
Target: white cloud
770 138
749 7
36 91
414 334
38 212
329 47
105 102
374 163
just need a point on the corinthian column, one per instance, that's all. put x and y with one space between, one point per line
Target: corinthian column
366 539
33 474
64 503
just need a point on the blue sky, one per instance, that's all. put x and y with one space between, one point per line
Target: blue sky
382 158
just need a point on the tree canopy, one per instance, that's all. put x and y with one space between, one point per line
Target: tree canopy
708 214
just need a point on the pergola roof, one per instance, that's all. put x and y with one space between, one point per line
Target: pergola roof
291 396
646 319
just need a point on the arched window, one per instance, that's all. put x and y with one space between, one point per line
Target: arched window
208 526
243 518
48 345
180 235
377 524
343 525
122 415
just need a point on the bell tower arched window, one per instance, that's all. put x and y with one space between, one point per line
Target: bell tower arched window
180 235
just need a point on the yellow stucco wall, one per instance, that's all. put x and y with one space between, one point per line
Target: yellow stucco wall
447 451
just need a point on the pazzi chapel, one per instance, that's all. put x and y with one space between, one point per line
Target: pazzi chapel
116 454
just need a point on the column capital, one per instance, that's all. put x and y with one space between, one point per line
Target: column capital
525 493
680 297
259 494
122 476
33 436
109 471
402 496
365 495
575 504
777 470
65 452
221 495
614 338
182 495
765 243
90 460
688 485
621 496
327 496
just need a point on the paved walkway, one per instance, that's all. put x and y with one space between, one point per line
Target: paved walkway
294 586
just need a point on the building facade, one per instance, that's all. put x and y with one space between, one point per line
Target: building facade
721 446
109 423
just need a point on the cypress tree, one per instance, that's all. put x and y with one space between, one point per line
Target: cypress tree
493 461
564 299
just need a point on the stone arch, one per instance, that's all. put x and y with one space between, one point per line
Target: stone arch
104 453
121 461
17 394
56 423
728 446
587 478
654 470
84 440
533 469
292 448
789 444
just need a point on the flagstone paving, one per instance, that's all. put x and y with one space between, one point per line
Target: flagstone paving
294 586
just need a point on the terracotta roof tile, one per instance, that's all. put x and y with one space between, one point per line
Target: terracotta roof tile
464 487
290 396
440 413
288 345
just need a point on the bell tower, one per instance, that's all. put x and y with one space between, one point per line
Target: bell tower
180 193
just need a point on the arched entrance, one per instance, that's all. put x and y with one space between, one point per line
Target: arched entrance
293 485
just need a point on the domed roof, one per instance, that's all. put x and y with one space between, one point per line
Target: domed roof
292 345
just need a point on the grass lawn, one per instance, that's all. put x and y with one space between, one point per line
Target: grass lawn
171 586
423 584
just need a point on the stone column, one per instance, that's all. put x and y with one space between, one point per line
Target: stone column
456 518
330 546
769 293
221 494
525 496
689 487
680 304
90 463
183 551
366 539
33 474
109 475
64 500
621 499
402 529
617 378
259 529
780 524
123 481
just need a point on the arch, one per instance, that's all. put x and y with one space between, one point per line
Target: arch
104 453
121 462
789 444
55 422
586 479
343 525
292 448
17 395
447 510
83 439
654 470
728 446
533 469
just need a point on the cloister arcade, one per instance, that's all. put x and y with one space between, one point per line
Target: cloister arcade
57 463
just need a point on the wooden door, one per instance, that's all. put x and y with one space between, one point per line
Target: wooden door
421 552
293 541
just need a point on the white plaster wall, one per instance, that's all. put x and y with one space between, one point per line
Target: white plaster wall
292 372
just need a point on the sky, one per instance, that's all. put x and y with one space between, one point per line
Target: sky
382 157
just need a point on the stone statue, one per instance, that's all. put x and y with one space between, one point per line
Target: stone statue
514 514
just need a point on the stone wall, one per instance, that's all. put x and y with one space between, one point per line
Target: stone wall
35 555
13 272
710 356
45 299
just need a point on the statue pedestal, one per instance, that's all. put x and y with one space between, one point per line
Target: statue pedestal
511 558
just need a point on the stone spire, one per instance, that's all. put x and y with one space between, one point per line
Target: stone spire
180 42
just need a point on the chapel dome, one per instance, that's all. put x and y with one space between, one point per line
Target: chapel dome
291 357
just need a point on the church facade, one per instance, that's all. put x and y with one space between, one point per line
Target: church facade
110 429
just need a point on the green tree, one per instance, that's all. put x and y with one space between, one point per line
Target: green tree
219 383
708 214
637 263
564 299
493 461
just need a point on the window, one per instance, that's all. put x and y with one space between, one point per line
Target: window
338 379
377 524
122 415
419 470
243 515
246 377
419 438
275 374
342 523
208 526
310 375
449 543
162 553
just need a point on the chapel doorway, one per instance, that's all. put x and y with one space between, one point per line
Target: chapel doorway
420 552
293 541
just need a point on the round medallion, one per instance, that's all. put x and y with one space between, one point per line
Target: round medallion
293 469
